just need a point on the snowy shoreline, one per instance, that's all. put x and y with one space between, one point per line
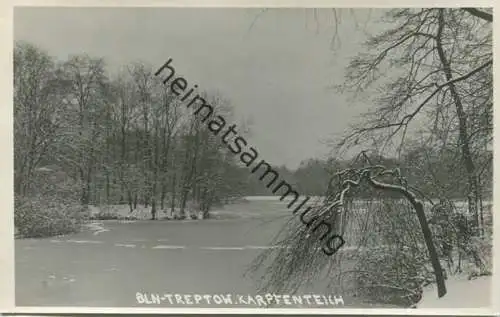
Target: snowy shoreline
461 293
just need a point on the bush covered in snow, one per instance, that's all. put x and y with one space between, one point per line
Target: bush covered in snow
396 267
39 216
50 207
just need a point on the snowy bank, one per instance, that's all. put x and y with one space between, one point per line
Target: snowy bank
461 293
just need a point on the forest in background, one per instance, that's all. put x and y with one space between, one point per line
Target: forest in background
122 140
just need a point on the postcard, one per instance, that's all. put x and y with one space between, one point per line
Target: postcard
264 159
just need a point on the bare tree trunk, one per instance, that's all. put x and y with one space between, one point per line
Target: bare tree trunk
174 191
137 154
163 167
462 125
130 200
426 231
184 185
155 166
163 193
84 193
436 265
481 209
108 186
153 209
184 196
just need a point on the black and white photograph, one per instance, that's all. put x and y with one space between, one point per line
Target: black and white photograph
253 157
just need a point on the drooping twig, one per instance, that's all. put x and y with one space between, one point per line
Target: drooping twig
297 258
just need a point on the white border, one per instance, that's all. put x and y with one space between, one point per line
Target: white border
256 3
268 311
7 294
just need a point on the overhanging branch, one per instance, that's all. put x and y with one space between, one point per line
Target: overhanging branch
480 14
368 175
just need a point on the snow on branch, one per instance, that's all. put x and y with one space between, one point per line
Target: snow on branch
297 258
480 14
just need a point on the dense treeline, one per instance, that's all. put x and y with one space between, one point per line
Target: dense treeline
434 173
123 140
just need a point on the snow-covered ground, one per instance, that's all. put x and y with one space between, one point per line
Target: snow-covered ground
462 293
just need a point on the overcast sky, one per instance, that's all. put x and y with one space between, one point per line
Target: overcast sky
275 69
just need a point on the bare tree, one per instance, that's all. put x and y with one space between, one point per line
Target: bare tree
300 253
85 79
439 58
38 111
428 72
